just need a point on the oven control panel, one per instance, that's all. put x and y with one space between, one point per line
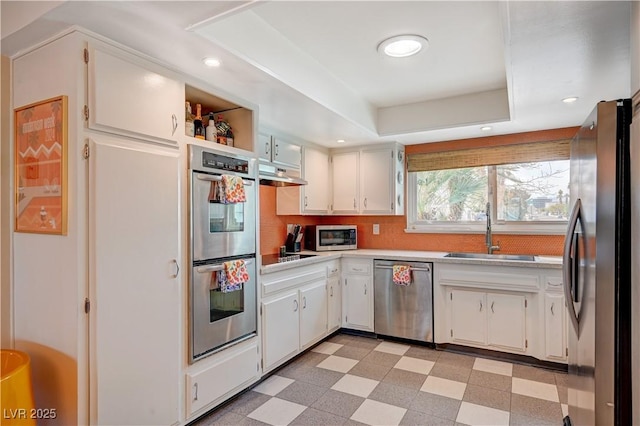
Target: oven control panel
211 160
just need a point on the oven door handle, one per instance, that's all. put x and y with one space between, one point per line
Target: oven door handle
218 267
218 178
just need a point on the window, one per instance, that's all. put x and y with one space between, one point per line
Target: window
524 197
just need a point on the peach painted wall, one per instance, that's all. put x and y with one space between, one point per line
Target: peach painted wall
392 235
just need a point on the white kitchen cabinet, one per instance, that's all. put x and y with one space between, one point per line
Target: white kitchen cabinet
376 181
555 325
468 316
132 97
294 312
506 321
345 178
218 377
135 290
312 198
280 328
313 312
279 151
488 319
369 181
357 296
334 316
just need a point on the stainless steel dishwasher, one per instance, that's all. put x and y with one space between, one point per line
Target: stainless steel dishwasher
404 311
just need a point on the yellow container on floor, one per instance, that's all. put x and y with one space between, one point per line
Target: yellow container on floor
16 393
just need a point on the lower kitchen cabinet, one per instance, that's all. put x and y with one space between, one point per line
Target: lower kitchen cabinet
357 294
294 317
555 325
334 316
216 378
488 319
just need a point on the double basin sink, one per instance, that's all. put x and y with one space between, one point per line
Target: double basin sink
520 257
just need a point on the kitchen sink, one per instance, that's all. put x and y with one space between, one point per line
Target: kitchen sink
521 257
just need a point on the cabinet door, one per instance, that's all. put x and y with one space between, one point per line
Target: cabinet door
280 317
315 195
506 320
136 291
285 153
264 146
358 298
554 326
376 181
335 303
132 99
468 316
313 312
345 182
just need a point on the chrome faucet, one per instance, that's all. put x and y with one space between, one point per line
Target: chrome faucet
489 237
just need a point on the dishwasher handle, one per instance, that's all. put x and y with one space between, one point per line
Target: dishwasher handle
425 269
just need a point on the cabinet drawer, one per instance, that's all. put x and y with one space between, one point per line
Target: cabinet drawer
236 369
363 268
553 283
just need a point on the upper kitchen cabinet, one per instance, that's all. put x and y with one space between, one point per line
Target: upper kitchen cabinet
276 150
312 198
239 118
369 181
131 96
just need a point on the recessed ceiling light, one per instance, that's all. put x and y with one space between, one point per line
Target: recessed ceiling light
486 128
570 99
402 46
211 62
340 141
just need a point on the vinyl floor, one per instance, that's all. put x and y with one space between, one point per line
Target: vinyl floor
355 380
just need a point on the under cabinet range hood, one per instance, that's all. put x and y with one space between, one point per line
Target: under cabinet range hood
275 175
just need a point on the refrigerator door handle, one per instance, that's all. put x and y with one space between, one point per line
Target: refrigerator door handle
568 268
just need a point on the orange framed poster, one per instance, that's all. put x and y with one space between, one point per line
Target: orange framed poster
40 165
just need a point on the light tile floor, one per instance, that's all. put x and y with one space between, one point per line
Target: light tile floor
354 380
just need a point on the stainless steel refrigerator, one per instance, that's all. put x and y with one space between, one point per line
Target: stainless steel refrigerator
597 269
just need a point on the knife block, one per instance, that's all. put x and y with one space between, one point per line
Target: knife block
292 246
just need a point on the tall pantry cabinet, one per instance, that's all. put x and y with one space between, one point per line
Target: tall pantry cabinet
99 310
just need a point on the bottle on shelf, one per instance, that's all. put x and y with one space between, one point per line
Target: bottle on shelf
189 128
197 123
229 137
222 127
210 131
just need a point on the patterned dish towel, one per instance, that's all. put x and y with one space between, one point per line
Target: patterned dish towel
235 274
402 275
233 189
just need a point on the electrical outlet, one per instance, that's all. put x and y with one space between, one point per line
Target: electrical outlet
376 229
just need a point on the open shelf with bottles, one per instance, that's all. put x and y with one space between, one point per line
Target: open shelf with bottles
239 118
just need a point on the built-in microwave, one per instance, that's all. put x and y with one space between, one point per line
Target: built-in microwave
331 237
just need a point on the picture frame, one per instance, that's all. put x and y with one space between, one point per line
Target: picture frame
40 167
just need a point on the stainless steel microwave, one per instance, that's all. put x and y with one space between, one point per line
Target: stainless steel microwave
331 237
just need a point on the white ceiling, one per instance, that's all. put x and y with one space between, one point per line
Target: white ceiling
313 69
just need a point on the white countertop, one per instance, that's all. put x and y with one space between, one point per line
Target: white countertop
549 262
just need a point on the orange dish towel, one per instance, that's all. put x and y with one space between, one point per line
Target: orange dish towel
235 274
233 188
402 275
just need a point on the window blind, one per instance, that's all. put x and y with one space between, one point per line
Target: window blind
490 156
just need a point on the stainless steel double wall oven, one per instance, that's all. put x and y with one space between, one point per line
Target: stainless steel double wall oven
218 233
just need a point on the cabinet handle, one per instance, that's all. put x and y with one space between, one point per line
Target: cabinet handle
305 201
195 386
552 313
295 302
174 123
365 289
267 148
354 203
492 311
331 291
175 262
481 306
365 203
276 150
304 302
